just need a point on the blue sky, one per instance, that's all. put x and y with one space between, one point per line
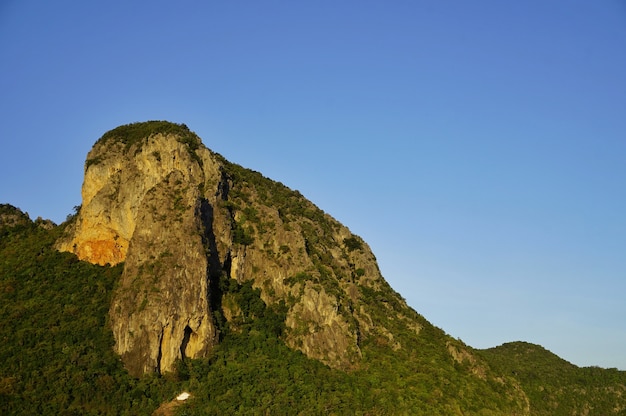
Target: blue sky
478 147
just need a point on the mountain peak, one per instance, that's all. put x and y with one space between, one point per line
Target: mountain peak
123 165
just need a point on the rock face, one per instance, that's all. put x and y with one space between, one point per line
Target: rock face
142 205
182 219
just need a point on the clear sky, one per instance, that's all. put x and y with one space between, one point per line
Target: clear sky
479 147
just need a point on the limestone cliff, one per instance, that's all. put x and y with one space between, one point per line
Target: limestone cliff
142 206
181 218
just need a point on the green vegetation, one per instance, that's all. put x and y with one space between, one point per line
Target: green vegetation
11 216
253 372
556 387
56 357
135 134
56 354
353 243
256 317
290 204
250 190
93 161
242 235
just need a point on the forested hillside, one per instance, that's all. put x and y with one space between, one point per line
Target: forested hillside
56 355
557 387
55 350
56 358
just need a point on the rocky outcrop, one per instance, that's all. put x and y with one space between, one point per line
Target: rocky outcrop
161 311
142 206
183 219
117 178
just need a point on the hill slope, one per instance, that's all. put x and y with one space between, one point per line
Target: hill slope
557 387
55 344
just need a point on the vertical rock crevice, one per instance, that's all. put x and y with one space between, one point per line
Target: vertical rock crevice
187 332
215 270
160 352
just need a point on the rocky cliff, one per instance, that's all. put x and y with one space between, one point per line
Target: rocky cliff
142 206
182 219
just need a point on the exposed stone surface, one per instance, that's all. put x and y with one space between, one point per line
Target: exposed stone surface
163 300
181 218
142 205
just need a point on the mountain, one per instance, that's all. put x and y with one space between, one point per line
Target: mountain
184 271
185 222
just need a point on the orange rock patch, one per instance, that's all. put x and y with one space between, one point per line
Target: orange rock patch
101 252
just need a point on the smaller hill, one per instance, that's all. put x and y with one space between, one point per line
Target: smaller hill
11 216
557 387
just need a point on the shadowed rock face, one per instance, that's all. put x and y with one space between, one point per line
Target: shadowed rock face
181 218
161 309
